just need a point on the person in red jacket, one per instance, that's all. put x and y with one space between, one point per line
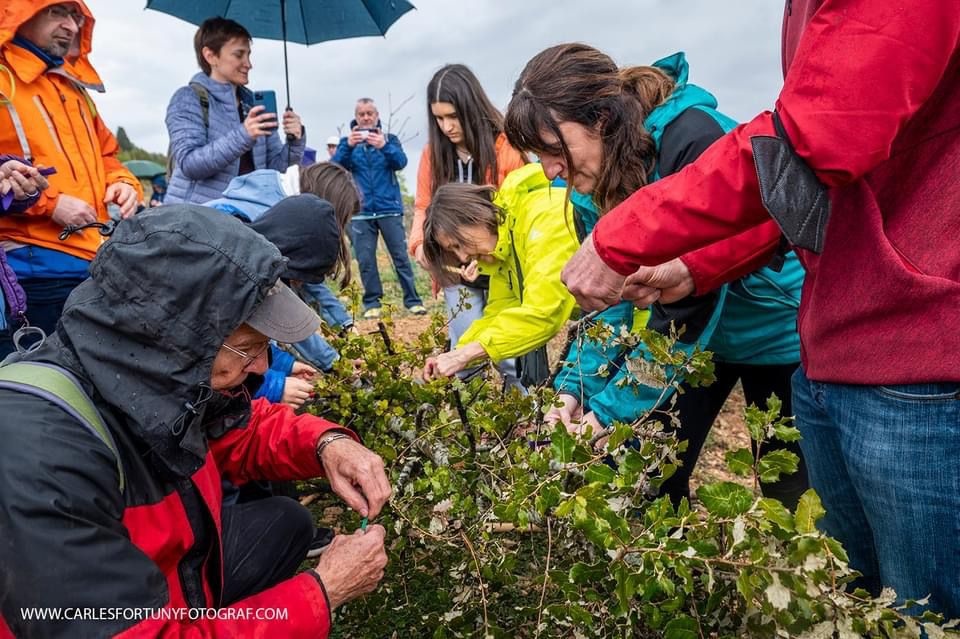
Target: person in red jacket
858 165
123 531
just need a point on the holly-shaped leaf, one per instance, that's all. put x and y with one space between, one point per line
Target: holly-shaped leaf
776 463
809 511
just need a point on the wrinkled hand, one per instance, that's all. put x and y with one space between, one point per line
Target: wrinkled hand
377 139
668 282
470 272
352 565
296 391
593 284
292 124
24 180
567 413
124 196
356 475
259 123
303 371
72 211
420 257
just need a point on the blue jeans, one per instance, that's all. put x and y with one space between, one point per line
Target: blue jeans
45 300
462 317
885 460
365 234
317 352
331 310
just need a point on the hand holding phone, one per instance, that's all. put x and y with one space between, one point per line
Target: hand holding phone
259 123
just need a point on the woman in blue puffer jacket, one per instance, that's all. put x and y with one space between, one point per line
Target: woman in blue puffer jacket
215 131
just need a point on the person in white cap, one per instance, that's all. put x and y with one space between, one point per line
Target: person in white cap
332 143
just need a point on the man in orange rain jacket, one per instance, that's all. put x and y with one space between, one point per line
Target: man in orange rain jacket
48 118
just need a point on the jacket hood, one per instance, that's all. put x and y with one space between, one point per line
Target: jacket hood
304 228
515 187
684 95
252 193
163 294
76 64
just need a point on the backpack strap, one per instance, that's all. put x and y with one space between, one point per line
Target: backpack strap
204 97
59 387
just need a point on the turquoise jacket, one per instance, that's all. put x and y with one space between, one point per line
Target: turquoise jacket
750 321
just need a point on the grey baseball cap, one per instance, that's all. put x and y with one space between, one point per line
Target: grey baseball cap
283 316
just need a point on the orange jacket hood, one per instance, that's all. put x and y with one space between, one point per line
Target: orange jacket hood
77 64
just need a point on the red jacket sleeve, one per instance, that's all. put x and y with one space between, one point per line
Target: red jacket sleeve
862 69
276 444
743 254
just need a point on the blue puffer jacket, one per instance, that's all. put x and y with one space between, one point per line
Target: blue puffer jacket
281 365
375 172
750 321
207 158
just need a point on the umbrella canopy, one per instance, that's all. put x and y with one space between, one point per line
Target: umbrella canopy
303 21
145 168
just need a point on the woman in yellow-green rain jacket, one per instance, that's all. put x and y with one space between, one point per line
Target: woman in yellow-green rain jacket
521 236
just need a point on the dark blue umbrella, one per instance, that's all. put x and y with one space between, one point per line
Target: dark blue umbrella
304 21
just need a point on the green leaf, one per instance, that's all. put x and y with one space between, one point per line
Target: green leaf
600 473
725 499
777 513
581 573
625 589
776 463
837 550
564 509
681 627
786 433
809 511
740 462
562 444
621 433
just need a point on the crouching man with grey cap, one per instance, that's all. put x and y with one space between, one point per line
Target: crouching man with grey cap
119 515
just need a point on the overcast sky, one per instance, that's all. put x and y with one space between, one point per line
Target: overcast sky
144 56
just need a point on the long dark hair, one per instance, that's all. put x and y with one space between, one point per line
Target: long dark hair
334 184
480 121
453 207
577 83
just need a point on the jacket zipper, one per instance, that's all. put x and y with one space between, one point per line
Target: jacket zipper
191 566
45 114
91 175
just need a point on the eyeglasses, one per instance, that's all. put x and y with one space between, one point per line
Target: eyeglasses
248 358
61 13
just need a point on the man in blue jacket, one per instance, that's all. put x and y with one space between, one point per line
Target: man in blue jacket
374 157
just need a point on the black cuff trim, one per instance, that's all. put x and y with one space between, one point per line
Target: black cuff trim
313 573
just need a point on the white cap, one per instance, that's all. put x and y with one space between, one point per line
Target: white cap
333 140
